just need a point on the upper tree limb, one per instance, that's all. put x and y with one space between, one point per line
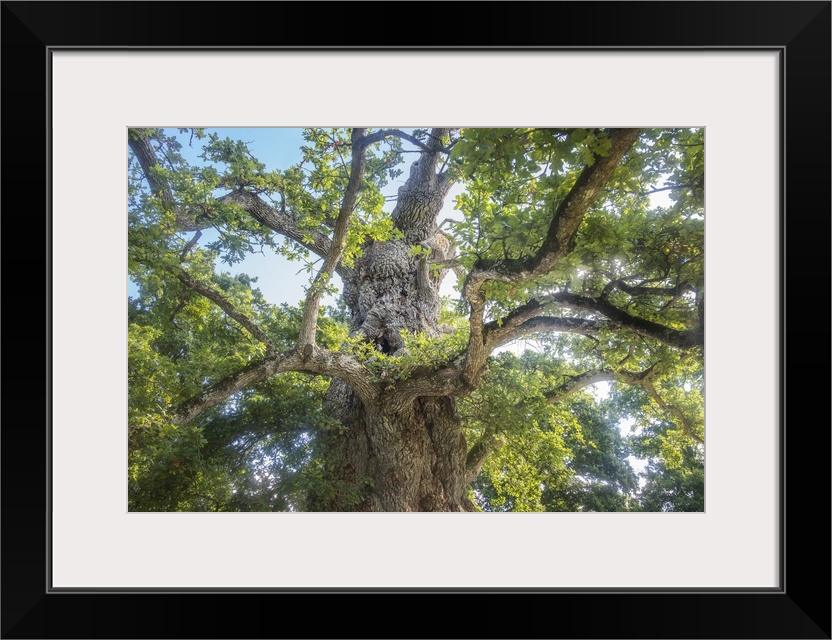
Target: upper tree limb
531 318
304 357
280 220
309 320
320 361
559 242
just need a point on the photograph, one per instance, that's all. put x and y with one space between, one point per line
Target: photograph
435 319
415 317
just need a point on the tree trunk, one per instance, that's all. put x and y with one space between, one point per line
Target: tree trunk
378 460
411 458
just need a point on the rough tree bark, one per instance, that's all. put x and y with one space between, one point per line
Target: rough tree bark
399 445
389 455
406 451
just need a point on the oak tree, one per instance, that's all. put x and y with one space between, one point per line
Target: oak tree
397 396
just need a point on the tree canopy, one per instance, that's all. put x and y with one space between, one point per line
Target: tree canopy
536 343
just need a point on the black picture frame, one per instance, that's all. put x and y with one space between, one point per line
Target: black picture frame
799 608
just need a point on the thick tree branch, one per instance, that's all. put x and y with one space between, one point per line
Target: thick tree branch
139 143
306 357
647 328
578 382
477 351
560 236
309 320
582 380
314 360
433 145
528 319
451 381
443 177
546 324
189 245
224 303
559 242
478 454
667 292
218 392
283 224
278 221
525 320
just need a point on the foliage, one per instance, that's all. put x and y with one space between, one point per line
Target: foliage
550 447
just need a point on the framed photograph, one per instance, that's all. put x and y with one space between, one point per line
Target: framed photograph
754 77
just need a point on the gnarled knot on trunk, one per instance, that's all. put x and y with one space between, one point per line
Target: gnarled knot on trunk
391 295
420 200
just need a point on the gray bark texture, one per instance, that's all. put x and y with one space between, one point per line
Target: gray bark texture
385 456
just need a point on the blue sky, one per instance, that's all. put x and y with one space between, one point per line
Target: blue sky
279 279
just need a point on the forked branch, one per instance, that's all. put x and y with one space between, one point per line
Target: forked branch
559 242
